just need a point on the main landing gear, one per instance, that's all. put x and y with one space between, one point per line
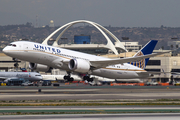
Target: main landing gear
68 78
88 78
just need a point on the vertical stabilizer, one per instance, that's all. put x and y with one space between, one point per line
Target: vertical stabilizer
147 49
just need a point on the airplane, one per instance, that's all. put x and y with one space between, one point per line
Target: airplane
44 57
31 76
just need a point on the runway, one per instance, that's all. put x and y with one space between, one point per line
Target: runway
84 92
135 108
142 116
41 96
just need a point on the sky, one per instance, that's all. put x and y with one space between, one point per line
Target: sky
116 13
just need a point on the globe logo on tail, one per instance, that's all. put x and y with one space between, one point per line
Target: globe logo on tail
141 63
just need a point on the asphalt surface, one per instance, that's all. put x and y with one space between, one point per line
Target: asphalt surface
142 116
89 108
86 92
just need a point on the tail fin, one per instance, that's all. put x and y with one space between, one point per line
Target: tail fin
23 69
147 49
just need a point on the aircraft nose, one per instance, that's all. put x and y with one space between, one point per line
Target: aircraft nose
41 78
5 49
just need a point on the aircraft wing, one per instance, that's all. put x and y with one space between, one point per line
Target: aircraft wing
104 63
3 78
7 79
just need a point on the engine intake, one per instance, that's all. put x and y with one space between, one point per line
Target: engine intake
79 65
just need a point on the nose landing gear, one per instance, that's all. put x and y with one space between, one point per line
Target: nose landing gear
16 63
88 78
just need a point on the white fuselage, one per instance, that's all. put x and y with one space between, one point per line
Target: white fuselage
58 58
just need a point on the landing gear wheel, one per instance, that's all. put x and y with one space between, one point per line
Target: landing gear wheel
66 77
90 79
85 77
71 79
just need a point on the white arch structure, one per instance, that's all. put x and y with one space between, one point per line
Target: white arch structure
109 45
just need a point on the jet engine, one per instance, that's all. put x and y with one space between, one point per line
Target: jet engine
79 65
39 67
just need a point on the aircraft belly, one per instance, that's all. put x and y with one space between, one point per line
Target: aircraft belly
27 56
63 67
40 58
19 55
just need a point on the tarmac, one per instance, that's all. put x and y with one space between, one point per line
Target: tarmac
131 116
86 92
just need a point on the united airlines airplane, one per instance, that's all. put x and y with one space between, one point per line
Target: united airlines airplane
43 57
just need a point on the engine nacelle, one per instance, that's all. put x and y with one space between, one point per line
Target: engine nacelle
39 67
79 65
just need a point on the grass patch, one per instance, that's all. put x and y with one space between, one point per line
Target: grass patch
89 102
168 100
28 112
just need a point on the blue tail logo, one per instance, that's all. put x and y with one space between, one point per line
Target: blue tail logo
147 49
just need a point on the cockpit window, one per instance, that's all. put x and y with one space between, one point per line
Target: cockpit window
14 45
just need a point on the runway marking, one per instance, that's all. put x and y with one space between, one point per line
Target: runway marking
90 108
91 95
48 90
127 116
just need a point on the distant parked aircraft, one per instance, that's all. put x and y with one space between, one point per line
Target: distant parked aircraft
31 76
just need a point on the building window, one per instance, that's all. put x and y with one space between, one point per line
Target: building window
174 62
154 62
155 70
175 70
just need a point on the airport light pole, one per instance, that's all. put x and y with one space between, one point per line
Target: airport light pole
63 39
51 41
174 46
125 39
